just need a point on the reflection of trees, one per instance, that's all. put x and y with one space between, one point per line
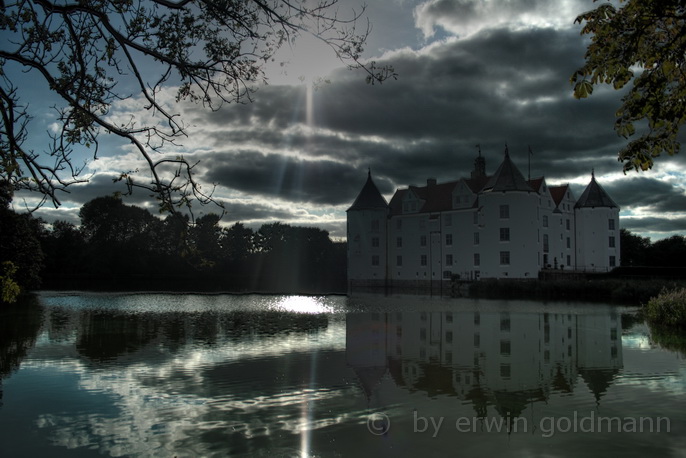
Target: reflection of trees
19 327
105 335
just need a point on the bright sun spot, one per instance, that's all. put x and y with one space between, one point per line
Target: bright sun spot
302 304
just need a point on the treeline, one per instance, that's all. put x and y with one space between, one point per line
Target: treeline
639 251
123 247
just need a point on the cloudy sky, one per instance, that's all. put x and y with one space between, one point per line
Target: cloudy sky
487 72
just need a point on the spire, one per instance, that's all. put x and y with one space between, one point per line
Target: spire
595 196
369 197
507 177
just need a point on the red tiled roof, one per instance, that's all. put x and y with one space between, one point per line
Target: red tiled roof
536 183
558 193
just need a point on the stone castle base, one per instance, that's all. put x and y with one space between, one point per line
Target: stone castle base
421 287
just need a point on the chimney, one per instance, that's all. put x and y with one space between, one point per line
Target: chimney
430 182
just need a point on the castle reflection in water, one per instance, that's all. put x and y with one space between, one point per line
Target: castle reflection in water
486 358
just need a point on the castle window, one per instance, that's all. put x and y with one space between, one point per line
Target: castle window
375 242
448 259
545 243
505 371
613 261
505 347
504 258
422 240
399 261
504 211
448 239
611 224
545 220
447 274
448 220
568 224
504 234
569 243
375 225
505 321
612 241
476 238
422 260
399 242
398 224
477 259
375 260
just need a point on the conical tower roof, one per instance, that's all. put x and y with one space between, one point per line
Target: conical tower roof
595 196
369 197
507 178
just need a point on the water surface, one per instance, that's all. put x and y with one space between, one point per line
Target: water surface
219 375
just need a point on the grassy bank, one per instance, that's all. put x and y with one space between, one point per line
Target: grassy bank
667 308
619 291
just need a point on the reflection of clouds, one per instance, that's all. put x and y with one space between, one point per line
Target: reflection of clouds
160 408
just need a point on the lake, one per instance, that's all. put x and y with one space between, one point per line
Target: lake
223 375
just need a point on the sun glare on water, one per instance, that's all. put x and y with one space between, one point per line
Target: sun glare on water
302 304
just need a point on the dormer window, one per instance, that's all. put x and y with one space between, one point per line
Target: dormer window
411 204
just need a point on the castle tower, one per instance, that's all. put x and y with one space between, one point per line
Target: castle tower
507 222
367 237
597 229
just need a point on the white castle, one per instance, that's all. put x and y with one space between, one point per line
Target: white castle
497 226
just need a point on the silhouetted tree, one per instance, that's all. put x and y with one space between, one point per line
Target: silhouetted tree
121 246
669 252
64 248
205 240
21 254
634 248
238 242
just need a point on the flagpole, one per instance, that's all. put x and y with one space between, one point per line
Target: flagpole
530 154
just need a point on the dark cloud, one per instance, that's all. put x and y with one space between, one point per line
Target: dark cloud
647 192
323 182
253 212
97 185
494 88
654 225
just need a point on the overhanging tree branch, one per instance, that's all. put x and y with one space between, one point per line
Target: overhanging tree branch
213 51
